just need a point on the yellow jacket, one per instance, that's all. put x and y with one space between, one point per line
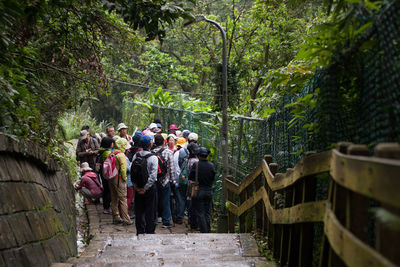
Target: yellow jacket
120 161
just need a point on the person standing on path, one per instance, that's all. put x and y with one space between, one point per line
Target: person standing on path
118 185
164 184
106 148
201 205
86 149
146 191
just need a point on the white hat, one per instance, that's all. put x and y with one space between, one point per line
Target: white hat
83 134
172 135
122 126
152 125
85 167
193 137
178 133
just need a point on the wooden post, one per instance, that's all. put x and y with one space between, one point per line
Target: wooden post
307 229
357 205
266 224
249 212
387 240
231 217
271 228
259 206
242 218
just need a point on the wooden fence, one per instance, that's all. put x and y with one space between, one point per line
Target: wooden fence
340 229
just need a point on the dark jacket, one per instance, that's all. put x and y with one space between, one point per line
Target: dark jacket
206 174
82 149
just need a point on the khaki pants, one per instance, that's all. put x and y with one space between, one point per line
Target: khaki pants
118 199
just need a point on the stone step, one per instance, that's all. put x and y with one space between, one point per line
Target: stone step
172 250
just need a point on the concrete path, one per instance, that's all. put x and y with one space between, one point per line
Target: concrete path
119 246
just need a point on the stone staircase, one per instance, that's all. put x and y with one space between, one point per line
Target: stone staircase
192 249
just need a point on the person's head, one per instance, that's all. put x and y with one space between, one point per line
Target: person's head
171 140
110 131
84 136
156 121
146 142
172 129
180 142
86 127
193 148
122 145
107 142
202 153
185 134
122 129
85 168
136 138
159 140
193 137
152 127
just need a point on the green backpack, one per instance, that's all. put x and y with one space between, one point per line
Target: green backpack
184 175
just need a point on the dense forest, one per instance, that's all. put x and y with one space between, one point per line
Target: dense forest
69 57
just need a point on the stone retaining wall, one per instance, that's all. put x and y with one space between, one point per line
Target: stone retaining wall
37 210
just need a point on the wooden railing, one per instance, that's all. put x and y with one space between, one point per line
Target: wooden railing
306 228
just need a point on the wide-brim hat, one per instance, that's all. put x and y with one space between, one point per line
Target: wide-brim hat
85 167
83 134
173 127
152 125
122 126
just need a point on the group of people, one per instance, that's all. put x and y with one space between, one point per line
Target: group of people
151 170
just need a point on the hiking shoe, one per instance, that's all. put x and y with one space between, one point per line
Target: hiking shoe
118 221
127 223
166 226
107 211
178 221
132 217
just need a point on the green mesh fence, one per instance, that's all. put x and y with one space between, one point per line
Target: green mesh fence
358 101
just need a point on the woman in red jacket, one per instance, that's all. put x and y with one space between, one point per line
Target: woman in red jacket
89 184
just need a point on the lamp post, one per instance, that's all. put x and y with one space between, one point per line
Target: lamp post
224 139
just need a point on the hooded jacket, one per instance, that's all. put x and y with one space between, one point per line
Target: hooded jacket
120 161
87 181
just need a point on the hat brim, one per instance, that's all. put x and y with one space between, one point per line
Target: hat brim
85 169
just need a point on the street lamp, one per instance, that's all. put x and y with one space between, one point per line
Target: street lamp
224 141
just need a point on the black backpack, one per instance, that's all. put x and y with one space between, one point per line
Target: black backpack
162 166
139 173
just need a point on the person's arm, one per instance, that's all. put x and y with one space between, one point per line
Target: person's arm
152 169
96 146
121 165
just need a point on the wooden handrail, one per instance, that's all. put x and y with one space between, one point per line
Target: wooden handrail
373 177
361 176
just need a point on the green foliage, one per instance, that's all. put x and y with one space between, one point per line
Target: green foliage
73 121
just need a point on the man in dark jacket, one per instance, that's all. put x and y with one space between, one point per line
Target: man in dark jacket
201 205
87 149
146 195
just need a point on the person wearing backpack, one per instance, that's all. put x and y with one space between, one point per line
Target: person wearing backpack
89 185
165 176
203 172
144 169
118 183
106 147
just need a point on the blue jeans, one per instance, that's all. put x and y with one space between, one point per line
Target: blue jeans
180 201
164 193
